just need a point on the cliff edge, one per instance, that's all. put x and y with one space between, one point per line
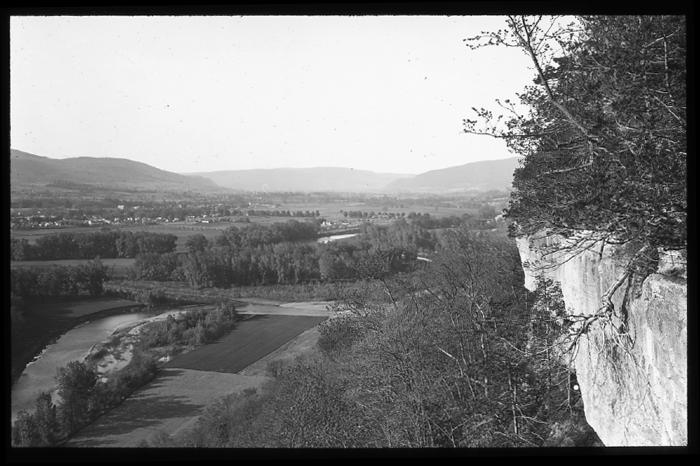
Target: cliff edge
631 369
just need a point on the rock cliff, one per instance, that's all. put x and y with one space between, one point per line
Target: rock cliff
632 370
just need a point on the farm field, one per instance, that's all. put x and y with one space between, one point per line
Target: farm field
304 343
169 403
252 339
174 400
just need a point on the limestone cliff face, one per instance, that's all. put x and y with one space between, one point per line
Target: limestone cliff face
634 388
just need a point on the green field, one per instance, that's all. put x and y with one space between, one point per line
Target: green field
252 339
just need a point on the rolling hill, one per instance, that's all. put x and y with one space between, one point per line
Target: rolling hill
303 179
475 176
29 171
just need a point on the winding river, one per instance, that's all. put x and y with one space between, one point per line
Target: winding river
39 375
328 239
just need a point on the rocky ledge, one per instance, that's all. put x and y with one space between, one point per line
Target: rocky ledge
633 377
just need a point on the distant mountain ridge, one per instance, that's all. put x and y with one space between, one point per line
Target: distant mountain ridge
29 170
475 176
335 179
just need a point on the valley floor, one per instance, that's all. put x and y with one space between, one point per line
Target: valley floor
189 382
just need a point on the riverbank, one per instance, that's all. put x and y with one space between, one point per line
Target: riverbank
45 322
191 381
115 353
40 375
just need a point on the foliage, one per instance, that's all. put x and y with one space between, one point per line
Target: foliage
337 335
455 360
604 135
39 429
281 254
190 328
46 419
83 399
76 384
24 431
154 266
141 369
59 280
105 244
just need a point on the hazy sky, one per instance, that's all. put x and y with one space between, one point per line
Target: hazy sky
186 94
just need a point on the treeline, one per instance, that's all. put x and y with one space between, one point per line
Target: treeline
284 253
83 399
480 221
463 356
192 328
88 245
276 213
59 280
155 292
371 214
257 235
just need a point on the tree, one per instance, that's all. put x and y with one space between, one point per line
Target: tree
95 273
604 136
46 420
24 431
196 243
76 383
21 250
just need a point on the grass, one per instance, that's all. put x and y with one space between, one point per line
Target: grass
302 344
175 397
251 340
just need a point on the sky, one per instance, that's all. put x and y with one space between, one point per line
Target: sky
205 93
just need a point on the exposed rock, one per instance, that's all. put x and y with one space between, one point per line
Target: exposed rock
634 382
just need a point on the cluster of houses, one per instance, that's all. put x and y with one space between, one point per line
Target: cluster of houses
40 221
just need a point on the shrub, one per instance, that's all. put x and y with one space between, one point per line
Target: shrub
339 334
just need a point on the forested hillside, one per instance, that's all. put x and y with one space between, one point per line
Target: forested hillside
452 356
